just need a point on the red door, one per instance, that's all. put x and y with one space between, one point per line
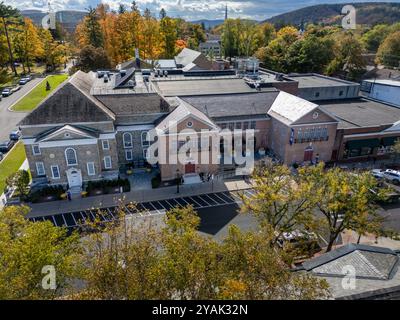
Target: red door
308 154
190 168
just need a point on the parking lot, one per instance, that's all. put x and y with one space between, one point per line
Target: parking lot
215 210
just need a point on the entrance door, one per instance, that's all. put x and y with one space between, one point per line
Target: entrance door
190 168
308 154
74 177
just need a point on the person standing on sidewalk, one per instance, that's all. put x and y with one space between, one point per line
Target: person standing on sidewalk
69 196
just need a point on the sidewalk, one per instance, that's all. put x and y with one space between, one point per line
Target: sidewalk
109 200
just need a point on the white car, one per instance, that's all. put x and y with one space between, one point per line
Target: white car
378 173
392 176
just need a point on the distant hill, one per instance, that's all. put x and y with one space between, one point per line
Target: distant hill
208 23
69 19
369 13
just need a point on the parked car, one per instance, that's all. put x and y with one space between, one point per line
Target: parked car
23 81
6 92
28 77
378 173
392 175
15 135
16 88
5 146
1 156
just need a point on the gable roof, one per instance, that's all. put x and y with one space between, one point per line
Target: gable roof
369 262
187 56
78 130
71 102
181 112
290 108
234 105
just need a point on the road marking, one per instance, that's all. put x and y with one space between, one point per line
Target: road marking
196 202
72 215
154 207
109 211
65 221
54 221
220 198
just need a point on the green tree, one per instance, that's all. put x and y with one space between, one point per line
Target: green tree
348 59
310 54
25 248
93 29
169 36
346 201
282 201
6 13
373 38
91 59
20 181
389 51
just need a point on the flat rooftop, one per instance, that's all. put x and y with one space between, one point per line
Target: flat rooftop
201 86
391 83
104 88
361 112
317 81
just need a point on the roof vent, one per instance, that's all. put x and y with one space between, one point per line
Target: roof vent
122 73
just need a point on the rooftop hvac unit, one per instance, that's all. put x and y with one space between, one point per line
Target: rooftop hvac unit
122 73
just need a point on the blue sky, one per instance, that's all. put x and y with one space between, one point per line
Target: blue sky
191 9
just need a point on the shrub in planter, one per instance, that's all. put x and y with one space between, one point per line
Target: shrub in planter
156 182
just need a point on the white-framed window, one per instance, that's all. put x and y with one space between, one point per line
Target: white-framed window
127 139
129 155
70 157
107 162
106 144
55 172
91 170
145 139
36 150
40 169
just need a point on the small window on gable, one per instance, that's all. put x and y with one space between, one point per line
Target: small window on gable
106 145
36 150
317 94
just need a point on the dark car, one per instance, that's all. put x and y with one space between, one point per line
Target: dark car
1 156
6 92
23 81
15 135
6 146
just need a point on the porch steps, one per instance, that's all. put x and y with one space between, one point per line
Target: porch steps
191 179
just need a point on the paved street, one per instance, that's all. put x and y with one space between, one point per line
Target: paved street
9 119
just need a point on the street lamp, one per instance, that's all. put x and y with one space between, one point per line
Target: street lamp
178 180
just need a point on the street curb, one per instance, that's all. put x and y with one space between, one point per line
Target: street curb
10 107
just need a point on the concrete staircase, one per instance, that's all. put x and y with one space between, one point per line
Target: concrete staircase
75 192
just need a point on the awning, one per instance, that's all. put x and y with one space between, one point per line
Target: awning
389 141
367 143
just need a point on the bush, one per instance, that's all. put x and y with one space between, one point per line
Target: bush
55 191
108 185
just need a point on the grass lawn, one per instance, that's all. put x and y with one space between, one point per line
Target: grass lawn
11 163
30 101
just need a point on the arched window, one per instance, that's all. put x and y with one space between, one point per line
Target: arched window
70 156
145 139
127 139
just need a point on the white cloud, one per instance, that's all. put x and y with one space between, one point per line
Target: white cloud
189 9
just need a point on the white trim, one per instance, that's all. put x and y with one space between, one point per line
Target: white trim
312 124
67 143
37 169
66 158
147 139
93 173
135 128
28 141
108 144
33 150
369 134
52 172
50 125
107 135
125 134
126 154
105 163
